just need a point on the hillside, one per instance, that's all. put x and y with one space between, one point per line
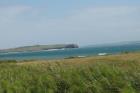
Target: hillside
39 47
102 74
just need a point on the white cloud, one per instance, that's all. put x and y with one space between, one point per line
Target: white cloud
99 25
88 26
9 13
100 16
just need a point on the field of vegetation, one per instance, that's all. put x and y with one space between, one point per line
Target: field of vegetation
102 74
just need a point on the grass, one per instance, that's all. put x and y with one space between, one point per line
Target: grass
103 74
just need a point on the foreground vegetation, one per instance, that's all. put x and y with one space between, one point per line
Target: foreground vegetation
109 74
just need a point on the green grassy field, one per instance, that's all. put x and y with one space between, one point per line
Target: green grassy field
104 74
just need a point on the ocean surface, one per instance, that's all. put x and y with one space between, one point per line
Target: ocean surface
65 53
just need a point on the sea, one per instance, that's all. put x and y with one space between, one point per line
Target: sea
100 50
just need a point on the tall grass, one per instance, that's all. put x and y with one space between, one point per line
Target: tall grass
96 76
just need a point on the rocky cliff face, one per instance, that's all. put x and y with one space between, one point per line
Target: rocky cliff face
72 46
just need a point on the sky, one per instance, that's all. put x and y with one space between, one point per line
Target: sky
84 22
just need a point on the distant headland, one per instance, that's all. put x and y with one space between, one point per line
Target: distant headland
40 48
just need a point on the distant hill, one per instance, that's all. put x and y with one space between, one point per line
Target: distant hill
39 47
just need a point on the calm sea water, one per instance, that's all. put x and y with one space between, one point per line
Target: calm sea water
56 54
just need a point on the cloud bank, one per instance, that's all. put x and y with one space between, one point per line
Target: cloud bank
23 25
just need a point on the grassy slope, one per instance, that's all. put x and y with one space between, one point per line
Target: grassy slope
109 74
39 47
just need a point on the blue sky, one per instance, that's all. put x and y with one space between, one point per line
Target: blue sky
86 22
